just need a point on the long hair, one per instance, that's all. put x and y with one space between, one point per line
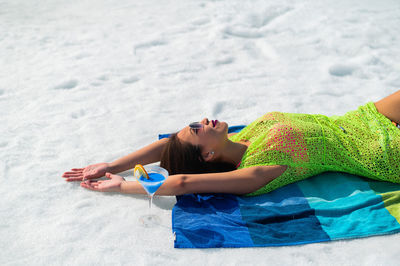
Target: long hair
184 158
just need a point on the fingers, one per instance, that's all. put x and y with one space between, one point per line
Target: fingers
78 175
71 174
73 179
109 175
77 171
90 185
85 185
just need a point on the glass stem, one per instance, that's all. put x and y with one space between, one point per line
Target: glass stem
150 201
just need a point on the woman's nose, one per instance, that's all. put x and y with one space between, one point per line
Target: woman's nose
205 121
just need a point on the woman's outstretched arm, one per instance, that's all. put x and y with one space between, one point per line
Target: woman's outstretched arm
390 106
148 154
239 182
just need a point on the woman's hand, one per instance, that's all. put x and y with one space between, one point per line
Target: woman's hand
89 172
111 185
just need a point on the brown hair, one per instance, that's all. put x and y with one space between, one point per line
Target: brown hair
184 158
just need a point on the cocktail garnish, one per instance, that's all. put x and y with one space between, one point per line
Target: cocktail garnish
141 171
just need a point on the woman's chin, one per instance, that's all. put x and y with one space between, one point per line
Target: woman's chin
224 127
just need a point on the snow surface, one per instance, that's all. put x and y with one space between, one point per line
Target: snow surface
91 80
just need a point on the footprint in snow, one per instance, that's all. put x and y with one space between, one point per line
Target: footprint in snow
82 56
103 77
78 114
96 84
66 85
225 61
341 70
218 108
149 44
99 80
261 19
253 25
130 80
200 21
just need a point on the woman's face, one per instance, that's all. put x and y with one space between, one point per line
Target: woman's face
211 137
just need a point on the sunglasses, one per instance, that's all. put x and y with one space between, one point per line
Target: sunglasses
196 126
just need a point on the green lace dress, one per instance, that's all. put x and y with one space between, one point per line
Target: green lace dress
361 142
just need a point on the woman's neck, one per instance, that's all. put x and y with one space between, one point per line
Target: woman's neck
233 152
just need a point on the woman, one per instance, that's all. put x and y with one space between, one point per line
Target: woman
273 151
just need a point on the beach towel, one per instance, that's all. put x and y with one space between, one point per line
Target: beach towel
327 207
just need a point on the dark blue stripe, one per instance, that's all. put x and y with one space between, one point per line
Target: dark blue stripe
209 220
281 217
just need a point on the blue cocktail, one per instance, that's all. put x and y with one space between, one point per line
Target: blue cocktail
151 179
153 183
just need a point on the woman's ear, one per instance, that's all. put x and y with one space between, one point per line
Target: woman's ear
208 156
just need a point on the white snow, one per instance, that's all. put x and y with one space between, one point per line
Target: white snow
91 80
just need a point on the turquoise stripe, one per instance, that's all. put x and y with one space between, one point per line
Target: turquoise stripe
390 193
347 207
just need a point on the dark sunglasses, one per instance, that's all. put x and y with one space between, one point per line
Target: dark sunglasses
196 126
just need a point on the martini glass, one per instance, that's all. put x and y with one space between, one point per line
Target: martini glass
157 176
